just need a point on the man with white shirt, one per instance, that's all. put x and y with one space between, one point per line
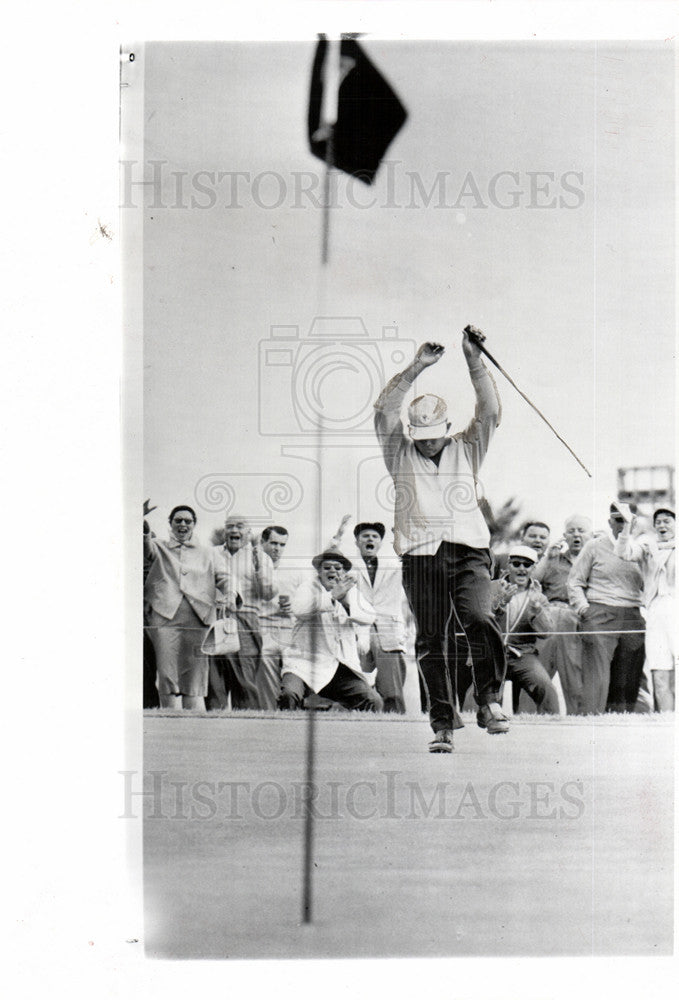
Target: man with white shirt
251 573
323 655
381 585
275 617
442 535
605 592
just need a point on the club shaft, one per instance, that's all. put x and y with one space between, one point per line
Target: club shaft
530 403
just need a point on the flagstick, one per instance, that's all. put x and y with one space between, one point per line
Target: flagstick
329 161
307 877
316 624
524 396
307 899
329 118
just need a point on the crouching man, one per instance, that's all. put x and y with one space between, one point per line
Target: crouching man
523 614
323 656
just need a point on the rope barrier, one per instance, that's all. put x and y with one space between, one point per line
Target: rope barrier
461 635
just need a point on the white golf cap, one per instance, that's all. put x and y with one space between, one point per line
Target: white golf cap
523 552
428 418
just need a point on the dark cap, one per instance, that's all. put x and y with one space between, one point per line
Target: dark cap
331 554
664 510
367 526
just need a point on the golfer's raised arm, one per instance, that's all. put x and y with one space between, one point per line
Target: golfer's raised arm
488 407
388 426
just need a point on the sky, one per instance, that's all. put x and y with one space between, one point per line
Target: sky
530 192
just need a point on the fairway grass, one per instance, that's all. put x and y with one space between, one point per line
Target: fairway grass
556 839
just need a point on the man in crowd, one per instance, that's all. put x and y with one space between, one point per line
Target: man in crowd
563 653
381 585
184 582
534 534
605 593
323 655
523 613
442 535
656 559
251 571
275 617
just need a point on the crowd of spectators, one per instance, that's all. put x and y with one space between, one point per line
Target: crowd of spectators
238 626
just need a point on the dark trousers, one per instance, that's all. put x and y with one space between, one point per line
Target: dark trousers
447 591
151 699
527 672
346 688
391 673
235 675
611 663
627 668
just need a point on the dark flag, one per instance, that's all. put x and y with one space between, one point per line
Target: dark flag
369 113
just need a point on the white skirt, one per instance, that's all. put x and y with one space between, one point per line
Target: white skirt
661 634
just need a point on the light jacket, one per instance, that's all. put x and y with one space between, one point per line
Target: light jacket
518 617
386 597
183 569
325 624
656 561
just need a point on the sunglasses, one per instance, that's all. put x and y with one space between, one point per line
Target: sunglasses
182 520
525 563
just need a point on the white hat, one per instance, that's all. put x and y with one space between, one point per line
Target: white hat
523 552
428 417
624 509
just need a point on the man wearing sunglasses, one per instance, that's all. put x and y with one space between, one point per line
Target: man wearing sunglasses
605 592
534 534
322 657
441 534
524 615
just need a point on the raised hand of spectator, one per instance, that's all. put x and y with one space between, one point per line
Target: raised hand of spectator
343 586
507 591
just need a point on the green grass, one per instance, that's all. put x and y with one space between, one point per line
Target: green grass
573 856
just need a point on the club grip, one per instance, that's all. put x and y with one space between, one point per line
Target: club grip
473 336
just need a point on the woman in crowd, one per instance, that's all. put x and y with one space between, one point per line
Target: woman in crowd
182 583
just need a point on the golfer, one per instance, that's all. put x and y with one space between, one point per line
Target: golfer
442 535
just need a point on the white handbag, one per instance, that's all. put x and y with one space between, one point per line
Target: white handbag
222 638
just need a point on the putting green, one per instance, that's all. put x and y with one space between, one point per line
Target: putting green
556 839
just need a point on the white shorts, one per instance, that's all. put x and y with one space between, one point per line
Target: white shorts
661 634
